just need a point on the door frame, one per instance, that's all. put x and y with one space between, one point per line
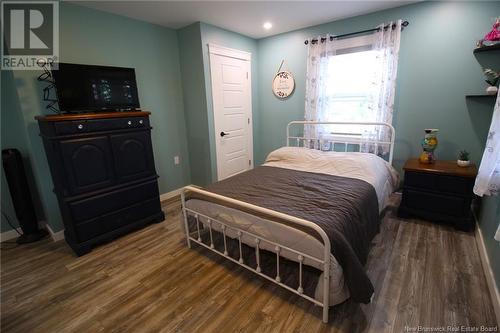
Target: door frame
213 50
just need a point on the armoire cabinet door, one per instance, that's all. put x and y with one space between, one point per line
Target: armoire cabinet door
133 156
88 164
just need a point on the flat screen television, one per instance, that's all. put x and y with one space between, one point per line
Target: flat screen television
82 88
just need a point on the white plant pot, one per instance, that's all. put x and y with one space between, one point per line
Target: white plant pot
461 163
491 90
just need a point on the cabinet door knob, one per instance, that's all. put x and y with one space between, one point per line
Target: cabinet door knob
80 126
129 122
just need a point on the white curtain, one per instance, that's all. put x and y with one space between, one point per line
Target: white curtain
386 45
488 177
316 104
317 107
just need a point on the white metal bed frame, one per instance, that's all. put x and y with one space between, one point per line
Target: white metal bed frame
291 220
341 138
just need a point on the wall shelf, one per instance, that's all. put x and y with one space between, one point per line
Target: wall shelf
482 49
480 96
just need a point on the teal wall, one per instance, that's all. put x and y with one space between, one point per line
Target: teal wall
93 37
195 68
13 134
489 218
195 103
436 71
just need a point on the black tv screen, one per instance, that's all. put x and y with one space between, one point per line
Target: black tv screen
83 88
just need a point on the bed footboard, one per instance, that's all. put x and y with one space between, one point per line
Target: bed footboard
196 236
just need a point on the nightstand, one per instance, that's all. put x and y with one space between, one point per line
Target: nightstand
440 192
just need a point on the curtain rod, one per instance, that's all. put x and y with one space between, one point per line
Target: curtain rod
313 41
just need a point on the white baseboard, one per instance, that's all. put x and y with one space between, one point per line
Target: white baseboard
171 194
10 234
490 278
56 236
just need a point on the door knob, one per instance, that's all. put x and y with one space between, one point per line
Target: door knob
222 134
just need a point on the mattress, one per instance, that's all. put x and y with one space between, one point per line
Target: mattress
366 167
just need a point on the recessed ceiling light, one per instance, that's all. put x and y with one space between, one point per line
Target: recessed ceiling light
267 25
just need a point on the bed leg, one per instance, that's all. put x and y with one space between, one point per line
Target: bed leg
184 216
326 287
188 241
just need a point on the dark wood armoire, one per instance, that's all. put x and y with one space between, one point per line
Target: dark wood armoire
104 174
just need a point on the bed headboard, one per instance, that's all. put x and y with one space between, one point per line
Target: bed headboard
339 141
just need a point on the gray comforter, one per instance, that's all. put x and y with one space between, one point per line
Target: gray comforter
345 208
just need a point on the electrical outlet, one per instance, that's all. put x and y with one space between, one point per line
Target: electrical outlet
177 160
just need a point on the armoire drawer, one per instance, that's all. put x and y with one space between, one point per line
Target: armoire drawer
98 125
96 206
118 219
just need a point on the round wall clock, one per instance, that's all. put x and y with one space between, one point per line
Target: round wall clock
283 84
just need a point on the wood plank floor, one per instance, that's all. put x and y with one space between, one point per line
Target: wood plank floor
149 281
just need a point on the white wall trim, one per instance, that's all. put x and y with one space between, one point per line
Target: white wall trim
9 234
56 236
228 52
172 194
488 273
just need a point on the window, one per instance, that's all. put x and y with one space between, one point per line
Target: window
350 88
353 80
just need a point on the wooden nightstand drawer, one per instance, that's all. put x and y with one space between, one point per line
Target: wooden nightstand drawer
439 183
421 180
437 203
456 185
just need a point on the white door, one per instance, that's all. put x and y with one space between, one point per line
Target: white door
232 107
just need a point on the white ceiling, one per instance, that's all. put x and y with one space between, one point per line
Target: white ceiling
244 17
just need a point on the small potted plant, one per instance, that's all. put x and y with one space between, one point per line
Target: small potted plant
463 159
